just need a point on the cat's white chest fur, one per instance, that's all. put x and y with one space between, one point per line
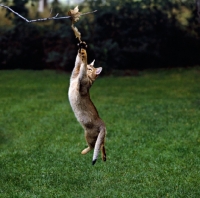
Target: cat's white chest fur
73 94
77 103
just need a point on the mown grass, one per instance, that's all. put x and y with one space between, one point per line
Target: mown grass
153 140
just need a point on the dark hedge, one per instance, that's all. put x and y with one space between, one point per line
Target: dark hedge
121 35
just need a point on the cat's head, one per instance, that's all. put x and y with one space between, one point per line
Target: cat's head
93 72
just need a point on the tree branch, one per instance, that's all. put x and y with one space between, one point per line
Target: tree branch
43 19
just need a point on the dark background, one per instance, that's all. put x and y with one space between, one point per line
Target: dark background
122 35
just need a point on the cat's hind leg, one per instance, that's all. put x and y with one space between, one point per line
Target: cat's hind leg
103 152
90 142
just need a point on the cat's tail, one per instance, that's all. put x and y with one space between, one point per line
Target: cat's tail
99 145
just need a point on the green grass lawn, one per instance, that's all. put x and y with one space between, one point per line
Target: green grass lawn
153 140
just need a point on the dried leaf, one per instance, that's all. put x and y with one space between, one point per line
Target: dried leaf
75 10
75 14
76 32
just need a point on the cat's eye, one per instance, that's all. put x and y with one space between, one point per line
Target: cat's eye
89 69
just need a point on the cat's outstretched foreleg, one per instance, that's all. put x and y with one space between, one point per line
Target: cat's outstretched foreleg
80 59
82 52
83 55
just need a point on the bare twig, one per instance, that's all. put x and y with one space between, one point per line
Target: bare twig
43 19
89 12
14 12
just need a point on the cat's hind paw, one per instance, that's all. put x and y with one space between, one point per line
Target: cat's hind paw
86 150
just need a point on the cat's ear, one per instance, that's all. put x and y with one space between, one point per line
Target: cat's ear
98 70
92 63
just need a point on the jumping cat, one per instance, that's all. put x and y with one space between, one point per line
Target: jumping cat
82 78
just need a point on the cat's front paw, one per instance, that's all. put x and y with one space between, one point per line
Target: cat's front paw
82 50
82 45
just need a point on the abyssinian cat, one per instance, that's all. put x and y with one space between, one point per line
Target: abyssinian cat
82 78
